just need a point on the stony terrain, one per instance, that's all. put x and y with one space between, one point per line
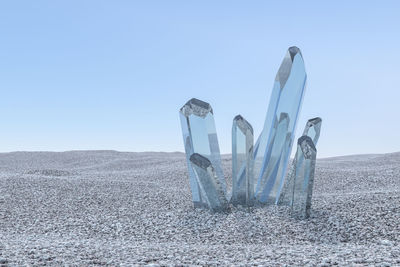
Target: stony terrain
111 208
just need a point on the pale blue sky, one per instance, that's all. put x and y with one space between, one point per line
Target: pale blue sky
113 74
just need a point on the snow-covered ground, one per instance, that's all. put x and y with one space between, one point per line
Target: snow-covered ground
107 207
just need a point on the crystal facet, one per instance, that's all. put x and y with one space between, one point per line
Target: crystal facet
200 136
267 192
304 178
273 147
242 162
209 183
312 129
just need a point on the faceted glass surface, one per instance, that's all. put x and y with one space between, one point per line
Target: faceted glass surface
274 145
200 136
242 162
312 129
267 192
304 178
209 183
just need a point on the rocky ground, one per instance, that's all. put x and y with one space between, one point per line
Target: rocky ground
113 208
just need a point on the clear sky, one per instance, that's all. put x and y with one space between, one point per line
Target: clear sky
113 74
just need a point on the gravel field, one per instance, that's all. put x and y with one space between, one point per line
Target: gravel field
112 208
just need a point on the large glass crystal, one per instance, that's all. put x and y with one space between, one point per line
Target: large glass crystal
304 173
312 129
209 183
200 136
242 162
274 145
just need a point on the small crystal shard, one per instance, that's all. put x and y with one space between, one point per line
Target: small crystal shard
273 147
200 136
304 178
209 183
242 162
312 129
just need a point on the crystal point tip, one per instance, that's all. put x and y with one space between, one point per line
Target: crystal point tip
314 121
196 107
243 124
200 161
286 66
307 146
293 51
283 116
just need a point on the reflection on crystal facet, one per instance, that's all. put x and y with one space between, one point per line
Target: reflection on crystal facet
242 162
200 136
267 183
312 129
273 146
209 183
304 173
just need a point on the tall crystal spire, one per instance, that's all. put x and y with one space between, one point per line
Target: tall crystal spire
242 162
209 183
200 136
312 130
274 145
304 173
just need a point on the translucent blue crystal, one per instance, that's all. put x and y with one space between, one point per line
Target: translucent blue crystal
304 173
242 162
275 161
209 183
273 147
312 129
200 136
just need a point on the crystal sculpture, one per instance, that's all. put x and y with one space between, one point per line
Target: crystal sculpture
312 129
209 183
242 162
304 173
200 136
258 173
274 144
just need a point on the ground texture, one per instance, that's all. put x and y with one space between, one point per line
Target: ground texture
113 208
